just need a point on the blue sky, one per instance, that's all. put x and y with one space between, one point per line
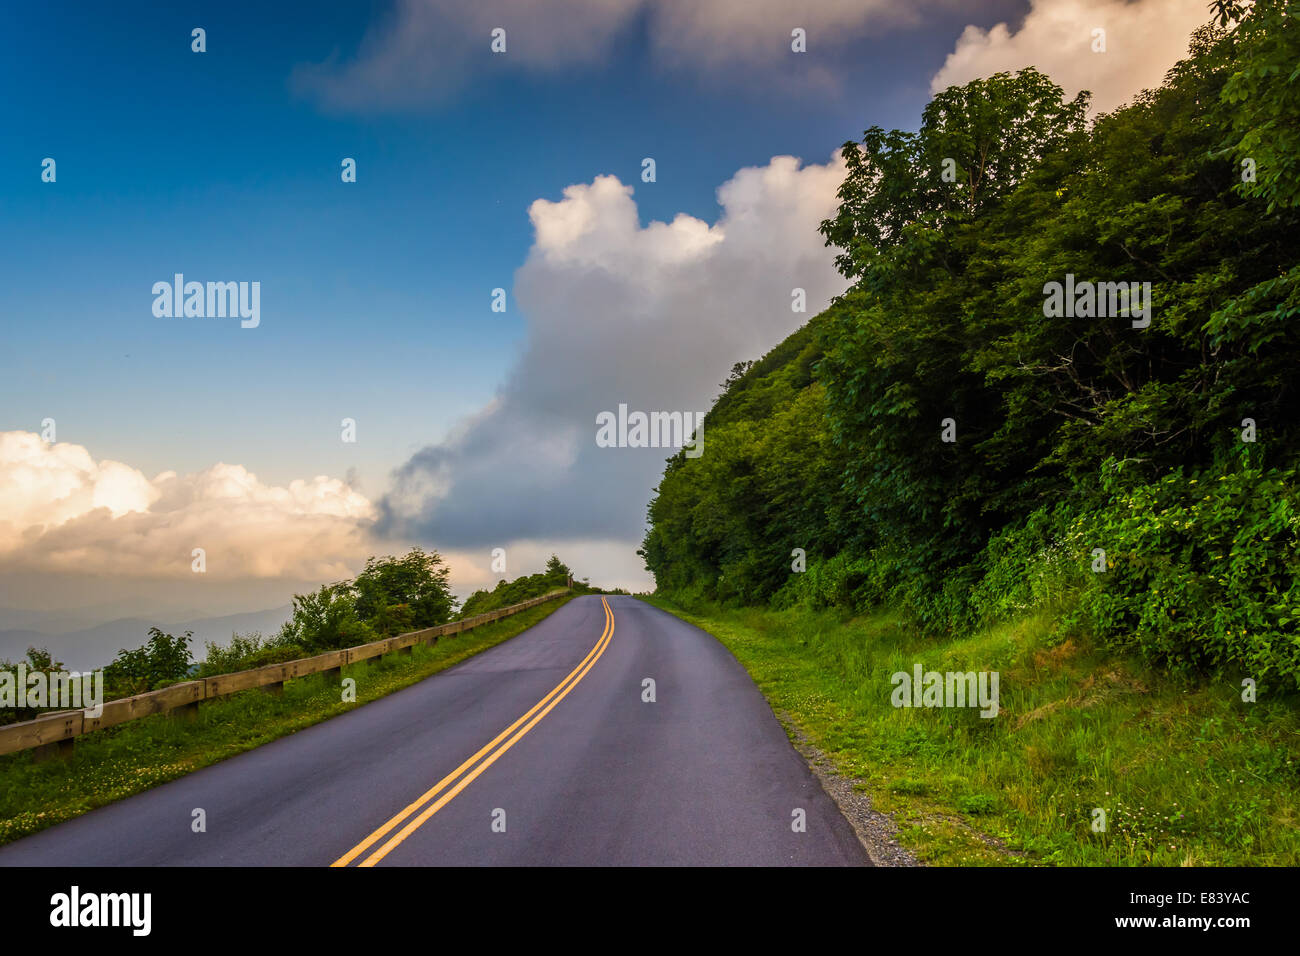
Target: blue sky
375 294
225 165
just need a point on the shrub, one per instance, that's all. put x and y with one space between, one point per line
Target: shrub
519 590
1027 565
245 652
1202 570
164 658
843 581
325 620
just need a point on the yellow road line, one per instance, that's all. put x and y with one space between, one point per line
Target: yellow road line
580 671
469 778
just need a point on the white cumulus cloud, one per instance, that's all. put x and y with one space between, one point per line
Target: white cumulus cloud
1143 39
652 316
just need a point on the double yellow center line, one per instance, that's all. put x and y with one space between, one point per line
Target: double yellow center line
485 758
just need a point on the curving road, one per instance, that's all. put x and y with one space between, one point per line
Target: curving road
539 751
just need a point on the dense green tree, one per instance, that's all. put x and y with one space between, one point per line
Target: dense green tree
1263 98
557 572
976 144
922 249
325 620
728 521
401 594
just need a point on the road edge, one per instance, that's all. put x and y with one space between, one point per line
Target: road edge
875 830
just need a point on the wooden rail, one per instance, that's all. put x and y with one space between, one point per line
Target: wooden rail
57 732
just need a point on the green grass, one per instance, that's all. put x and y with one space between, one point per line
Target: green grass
111 764
1187 772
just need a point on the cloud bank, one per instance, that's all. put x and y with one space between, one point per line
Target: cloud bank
63 511
652 316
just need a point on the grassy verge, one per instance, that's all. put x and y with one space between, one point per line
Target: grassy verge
1187 773
115 763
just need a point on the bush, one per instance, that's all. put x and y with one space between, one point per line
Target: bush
325 620
163 659
1202 570
38 659
245 652
1026 566
845 582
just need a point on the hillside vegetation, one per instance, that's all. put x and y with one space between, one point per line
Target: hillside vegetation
944 442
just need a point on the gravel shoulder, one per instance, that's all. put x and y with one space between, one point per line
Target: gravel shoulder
876 831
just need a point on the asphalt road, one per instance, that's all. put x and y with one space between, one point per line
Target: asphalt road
539 751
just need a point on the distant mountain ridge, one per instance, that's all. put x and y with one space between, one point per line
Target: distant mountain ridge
97 645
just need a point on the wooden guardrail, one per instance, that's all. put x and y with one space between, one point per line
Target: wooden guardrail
58 731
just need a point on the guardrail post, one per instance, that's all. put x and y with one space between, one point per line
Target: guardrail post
186 712
54 749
